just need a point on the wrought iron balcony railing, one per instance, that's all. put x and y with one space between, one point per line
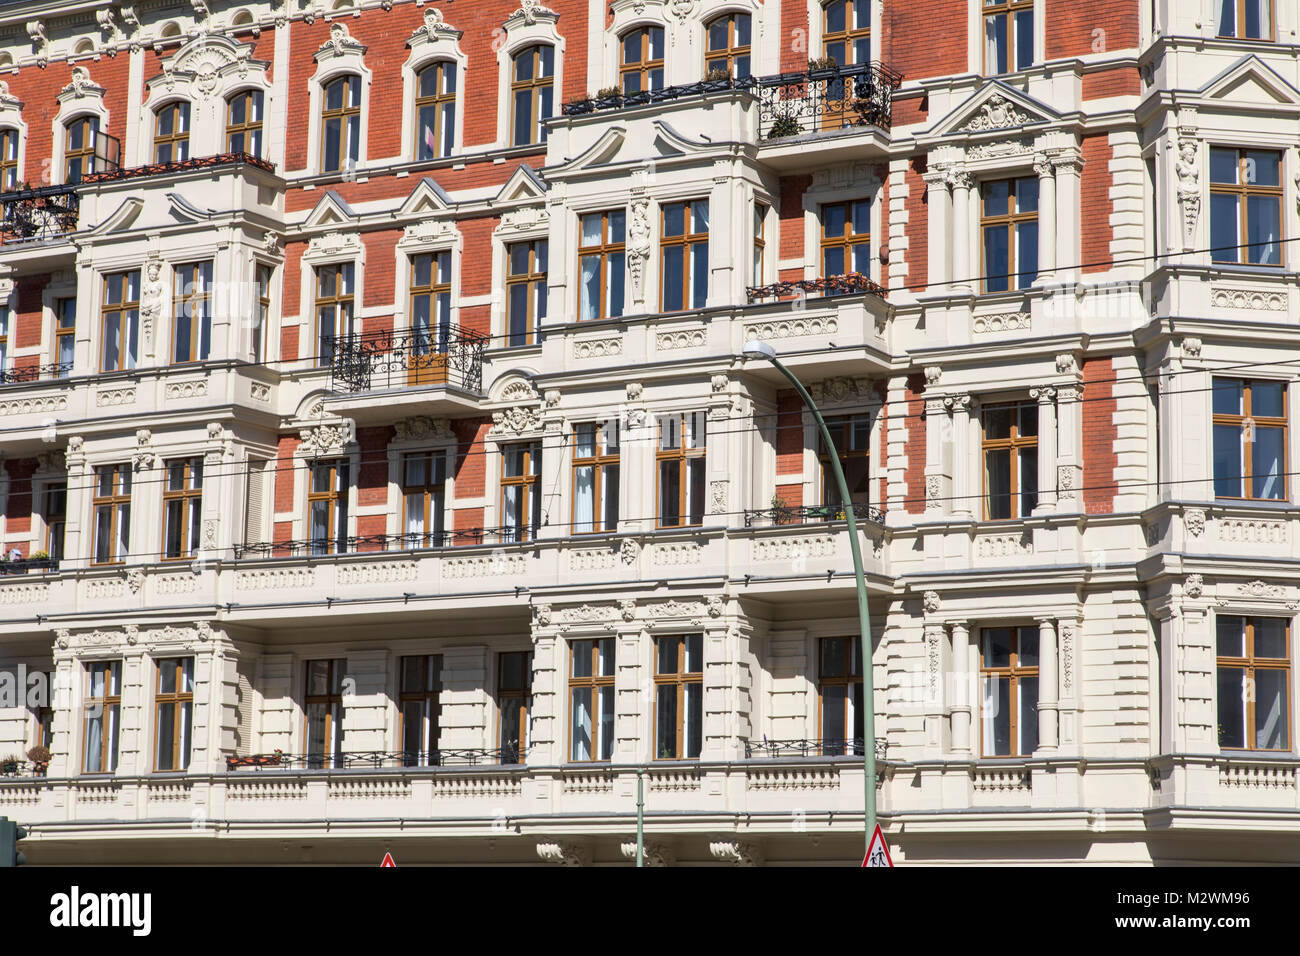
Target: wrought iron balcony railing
28 565
791 514
408 541
373 361
35 373
825 747
847 284
46 212
157 169
376 759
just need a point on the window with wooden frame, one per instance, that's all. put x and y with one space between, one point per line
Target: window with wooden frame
521 490
424 483
591 699
171 136
1009 229
323 713
56 518
192 312
430 318
1253 658
65 335
1008 36
1010 447
851 436
244 123
341 123
1249 439
532 93
602 253
526 278
182 508
641 67
846 31
327 505
1009 691
120 321
1246 206
335 288
112 506
595 477
760 244
1246 19
515 703
173 713
101 716
839 694
80 136
8 158
684 255
846 238
261 314
679 697
420 705
728 46
435 110
680 461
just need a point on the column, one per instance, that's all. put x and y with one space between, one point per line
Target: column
1047 702
938 488
962 684
1069 166
961 234
934 690
81 494
1046 221
1046 396
939 206
1069 469
963 499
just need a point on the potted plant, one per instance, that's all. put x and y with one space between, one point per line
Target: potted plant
11 765
785 124
716 79
577 106
40 758
822 67
608 97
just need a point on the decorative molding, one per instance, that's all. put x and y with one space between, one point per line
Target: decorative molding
1188 170
675 608
114 396
565 853
997 112
638 245
653 853
739 852
1004 545
1065 481
1067 658
597 348
24 593
144 456
192 389
629 550
791 328
391 572
423 428
1257 299
516 420
328 438
718 497
930 601
676 555
684 339
341 43
492 565
1261 589
1193 585
274 579
794 549
1251 530
588 614
37 405
592 559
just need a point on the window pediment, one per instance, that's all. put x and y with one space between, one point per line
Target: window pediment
530 13
340 44
434 31
199 68
1250 80
80 88
995 107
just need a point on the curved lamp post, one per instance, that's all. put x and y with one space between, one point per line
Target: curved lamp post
761 350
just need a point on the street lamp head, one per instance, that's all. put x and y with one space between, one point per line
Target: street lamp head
756 348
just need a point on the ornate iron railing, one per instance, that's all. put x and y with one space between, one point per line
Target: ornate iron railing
825 747
181 165
375 759
35 373
815 101
411 541
27 565
370 361
594 104
847 284
812 514
46 212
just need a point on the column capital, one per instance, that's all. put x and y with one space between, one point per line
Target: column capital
1044 393
1043 166
1069 392
959 177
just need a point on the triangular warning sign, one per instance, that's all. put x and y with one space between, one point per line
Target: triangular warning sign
877 851
388 860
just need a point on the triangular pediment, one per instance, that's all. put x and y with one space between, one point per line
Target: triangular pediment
331 210
426 199
523 185
995 106
1251 80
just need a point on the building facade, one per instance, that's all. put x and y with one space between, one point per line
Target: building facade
381 470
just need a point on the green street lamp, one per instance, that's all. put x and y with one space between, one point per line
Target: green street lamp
761 350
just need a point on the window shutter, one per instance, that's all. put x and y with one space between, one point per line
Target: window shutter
254 532
244 717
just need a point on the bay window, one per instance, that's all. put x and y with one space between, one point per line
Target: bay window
642 64
1246 19
102 716
839 693
851 437
192 313
515 703
171 140
120 321
421 709
728 46
173 713
112 505
182 507
521 490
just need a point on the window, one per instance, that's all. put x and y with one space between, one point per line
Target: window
1008 35
846 238
839 692
79 148
532 93
1009 691
421 709
65 335
1254 679
244 123
56 518
679 697
424 477
760 244
42 708
521 490
1009 225
120 321
680 457
4 338
182 507
846 31
174 713
435 110
642 67
728 48
430 318
601 260
324 717
1249 439
112 513
102 717
327 506
261 313
192 313
1246 206
341 124
1010 460
171 136
525 289
515 698
8 159
1246 19
591 699
684 251
595 477
335 286
852 439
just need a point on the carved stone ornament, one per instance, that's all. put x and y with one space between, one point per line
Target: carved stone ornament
627 608
565 853
516 420
638 244
144 456
341 42
423 428
653 853
1188 170
434 27
1194 519
152 297
1193 585
81 83
530 10
542 614
327 438
997 112
930 601
716 605
629 551
739 852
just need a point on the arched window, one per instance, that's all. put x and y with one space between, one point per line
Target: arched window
435 110
728 45
244 123
171 137
79 148
532 93
341 123
8 158
643 60
846 31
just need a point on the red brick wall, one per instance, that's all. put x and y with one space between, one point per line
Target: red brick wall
1076 29
911 109
790 239
372 476
18 507
471 466
915 425
1098 418
794 37
917 228
1094 192
789 448
28 324
284 473
1122 81
925 37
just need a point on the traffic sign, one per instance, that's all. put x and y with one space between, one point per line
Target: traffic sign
878 851
388 860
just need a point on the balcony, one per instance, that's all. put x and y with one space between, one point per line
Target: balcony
40 565
380 759
383 543
38 215
792 515
848 284
35 373
115 173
